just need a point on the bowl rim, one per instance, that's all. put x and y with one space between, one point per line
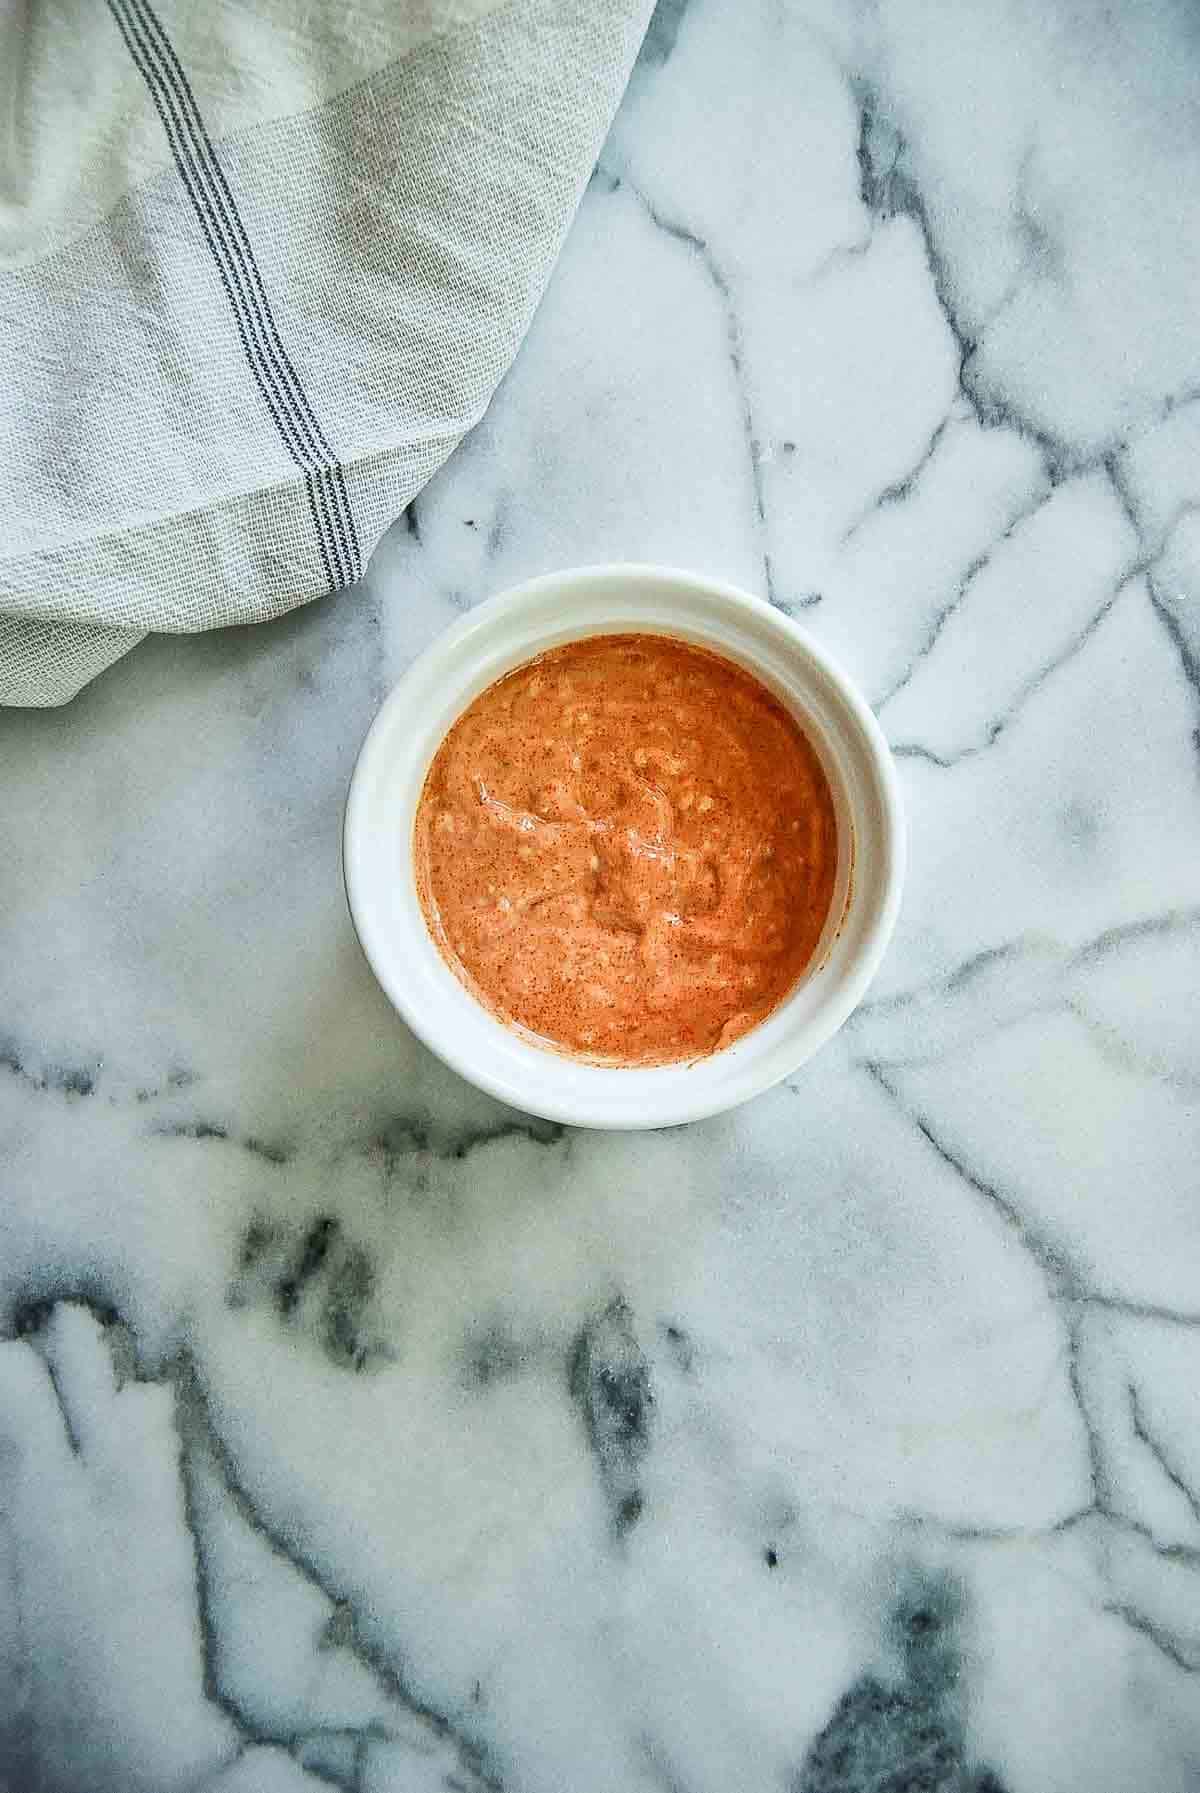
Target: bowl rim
453 644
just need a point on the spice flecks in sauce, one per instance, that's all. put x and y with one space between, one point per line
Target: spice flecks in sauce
628 848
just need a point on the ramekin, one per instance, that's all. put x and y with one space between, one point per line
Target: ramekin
490 641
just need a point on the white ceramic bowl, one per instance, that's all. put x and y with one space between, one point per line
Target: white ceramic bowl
502 634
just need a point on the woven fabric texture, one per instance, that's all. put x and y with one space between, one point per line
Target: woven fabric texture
260 269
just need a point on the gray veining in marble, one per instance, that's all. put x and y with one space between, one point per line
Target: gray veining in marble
355 1432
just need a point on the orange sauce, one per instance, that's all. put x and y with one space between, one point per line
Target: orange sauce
627 848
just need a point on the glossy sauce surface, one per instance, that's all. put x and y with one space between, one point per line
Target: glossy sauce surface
627 847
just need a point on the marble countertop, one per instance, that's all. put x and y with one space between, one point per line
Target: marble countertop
357 1432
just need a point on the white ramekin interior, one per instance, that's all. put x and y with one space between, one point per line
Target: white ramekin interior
499 635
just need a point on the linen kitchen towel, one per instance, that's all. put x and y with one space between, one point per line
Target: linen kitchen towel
261 266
